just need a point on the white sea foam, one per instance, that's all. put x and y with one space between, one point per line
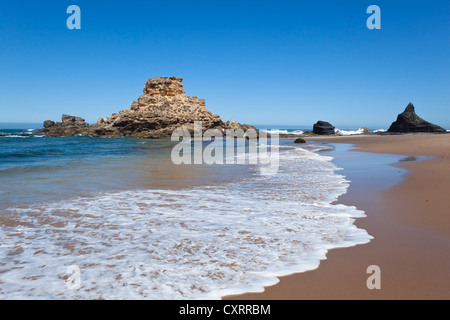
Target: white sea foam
21 136
349 132
282 131
14 136
380 130
197 243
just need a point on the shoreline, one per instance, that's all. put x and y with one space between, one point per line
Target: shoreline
409 222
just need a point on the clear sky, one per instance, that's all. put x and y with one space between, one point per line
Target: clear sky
280 63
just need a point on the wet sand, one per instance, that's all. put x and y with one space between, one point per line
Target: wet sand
410 223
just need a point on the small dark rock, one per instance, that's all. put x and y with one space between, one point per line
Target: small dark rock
300 140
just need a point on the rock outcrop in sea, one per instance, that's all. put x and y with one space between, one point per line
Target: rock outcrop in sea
409 121
162 108
69 126
323 128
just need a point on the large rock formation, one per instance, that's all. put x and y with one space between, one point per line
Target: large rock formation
323 127
162 108
409 121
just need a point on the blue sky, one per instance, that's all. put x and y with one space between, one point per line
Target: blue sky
279 63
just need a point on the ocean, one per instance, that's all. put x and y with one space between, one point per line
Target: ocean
114 218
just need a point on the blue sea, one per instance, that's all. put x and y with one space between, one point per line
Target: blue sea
135 226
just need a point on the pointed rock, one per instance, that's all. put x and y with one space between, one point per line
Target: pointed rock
409 121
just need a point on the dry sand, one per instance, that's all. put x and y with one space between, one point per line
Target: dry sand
410 223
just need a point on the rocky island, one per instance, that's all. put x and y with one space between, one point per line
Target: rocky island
162 108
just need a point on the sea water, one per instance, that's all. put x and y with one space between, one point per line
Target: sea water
135 226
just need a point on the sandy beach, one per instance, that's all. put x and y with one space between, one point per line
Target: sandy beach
410 223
